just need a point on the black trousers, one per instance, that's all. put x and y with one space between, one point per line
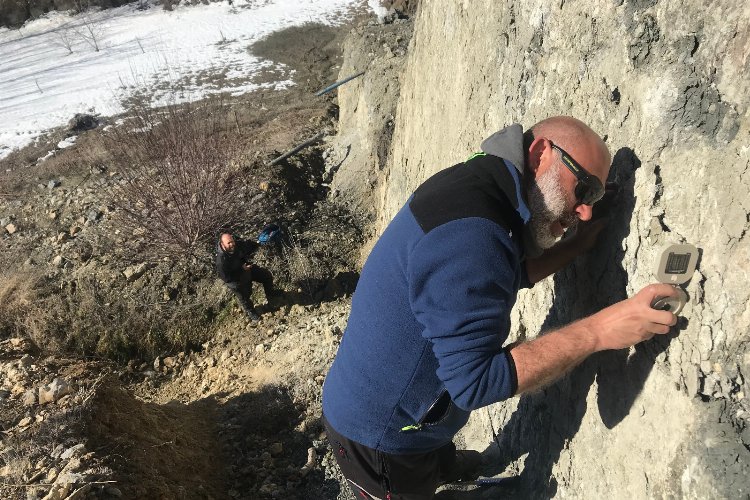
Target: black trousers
374 475
244 286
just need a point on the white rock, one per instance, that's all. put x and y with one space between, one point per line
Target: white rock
132 273
54 391
73 451
11 228
29 398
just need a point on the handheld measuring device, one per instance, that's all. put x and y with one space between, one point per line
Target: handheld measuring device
676 266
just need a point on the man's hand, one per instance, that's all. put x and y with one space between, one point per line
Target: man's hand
633 320
247 266
543 360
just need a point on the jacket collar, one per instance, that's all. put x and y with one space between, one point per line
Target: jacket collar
508 144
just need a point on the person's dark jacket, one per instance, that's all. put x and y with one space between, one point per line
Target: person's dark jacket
229 265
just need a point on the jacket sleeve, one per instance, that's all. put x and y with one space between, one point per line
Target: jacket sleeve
463 279
248 249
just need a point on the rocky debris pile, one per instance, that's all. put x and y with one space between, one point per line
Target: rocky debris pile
267 377
53 224
44 403
252 391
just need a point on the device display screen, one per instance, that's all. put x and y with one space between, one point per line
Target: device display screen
677 263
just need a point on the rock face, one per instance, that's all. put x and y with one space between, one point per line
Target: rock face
367 107
667 84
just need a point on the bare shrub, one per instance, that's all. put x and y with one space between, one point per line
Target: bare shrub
65 38
300 263
180 181
303 263
91 32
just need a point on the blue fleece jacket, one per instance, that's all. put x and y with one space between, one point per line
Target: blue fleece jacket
424 342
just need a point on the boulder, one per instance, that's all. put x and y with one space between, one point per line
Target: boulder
93 215
11 228
132 273
73 451
82 121
54 391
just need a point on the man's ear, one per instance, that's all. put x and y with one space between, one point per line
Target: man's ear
536 150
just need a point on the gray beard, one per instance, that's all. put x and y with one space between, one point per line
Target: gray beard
547 205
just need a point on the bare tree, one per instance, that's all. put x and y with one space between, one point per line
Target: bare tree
179 175
65 38
91 32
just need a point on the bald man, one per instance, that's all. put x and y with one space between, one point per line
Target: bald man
424 345
237 272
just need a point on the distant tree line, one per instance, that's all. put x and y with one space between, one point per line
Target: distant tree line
13 13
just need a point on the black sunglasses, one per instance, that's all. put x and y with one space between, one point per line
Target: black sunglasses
589 188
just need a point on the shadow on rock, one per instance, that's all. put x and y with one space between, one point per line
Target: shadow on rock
264 448
545 422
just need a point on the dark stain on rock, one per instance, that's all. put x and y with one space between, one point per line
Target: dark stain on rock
642 45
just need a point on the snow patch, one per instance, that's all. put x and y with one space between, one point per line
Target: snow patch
67 142
51 70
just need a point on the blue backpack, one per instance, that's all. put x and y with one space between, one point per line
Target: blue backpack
271 233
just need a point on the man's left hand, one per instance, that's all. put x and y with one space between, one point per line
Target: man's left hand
247 266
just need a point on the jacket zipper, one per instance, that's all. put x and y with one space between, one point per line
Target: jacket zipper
418 425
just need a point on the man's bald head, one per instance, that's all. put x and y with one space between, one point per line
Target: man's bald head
227 242
551 188
577 138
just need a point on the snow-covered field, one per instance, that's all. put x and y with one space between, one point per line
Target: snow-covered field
60 65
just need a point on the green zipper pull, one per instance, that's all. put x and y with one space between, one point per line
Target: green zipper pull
412 428
476 155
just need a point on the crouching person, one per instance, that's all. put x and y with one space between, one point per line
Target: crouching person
234 267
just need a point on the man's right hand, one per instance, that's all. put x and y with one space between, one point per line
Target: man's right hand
633 320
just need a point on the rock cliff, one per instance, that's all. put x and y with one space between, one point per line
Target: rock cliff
666 83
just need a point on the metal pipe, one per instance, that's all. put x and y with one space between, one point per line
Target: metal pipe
337 84
298 148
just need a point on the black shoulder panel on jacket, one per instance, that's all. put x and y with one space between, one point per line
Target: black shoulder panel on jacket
480 187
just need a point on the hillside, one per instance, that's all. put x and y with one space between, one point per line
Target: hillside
207 405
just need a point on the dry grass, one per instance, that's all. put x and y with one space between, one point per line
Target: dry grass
91 319
17 297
